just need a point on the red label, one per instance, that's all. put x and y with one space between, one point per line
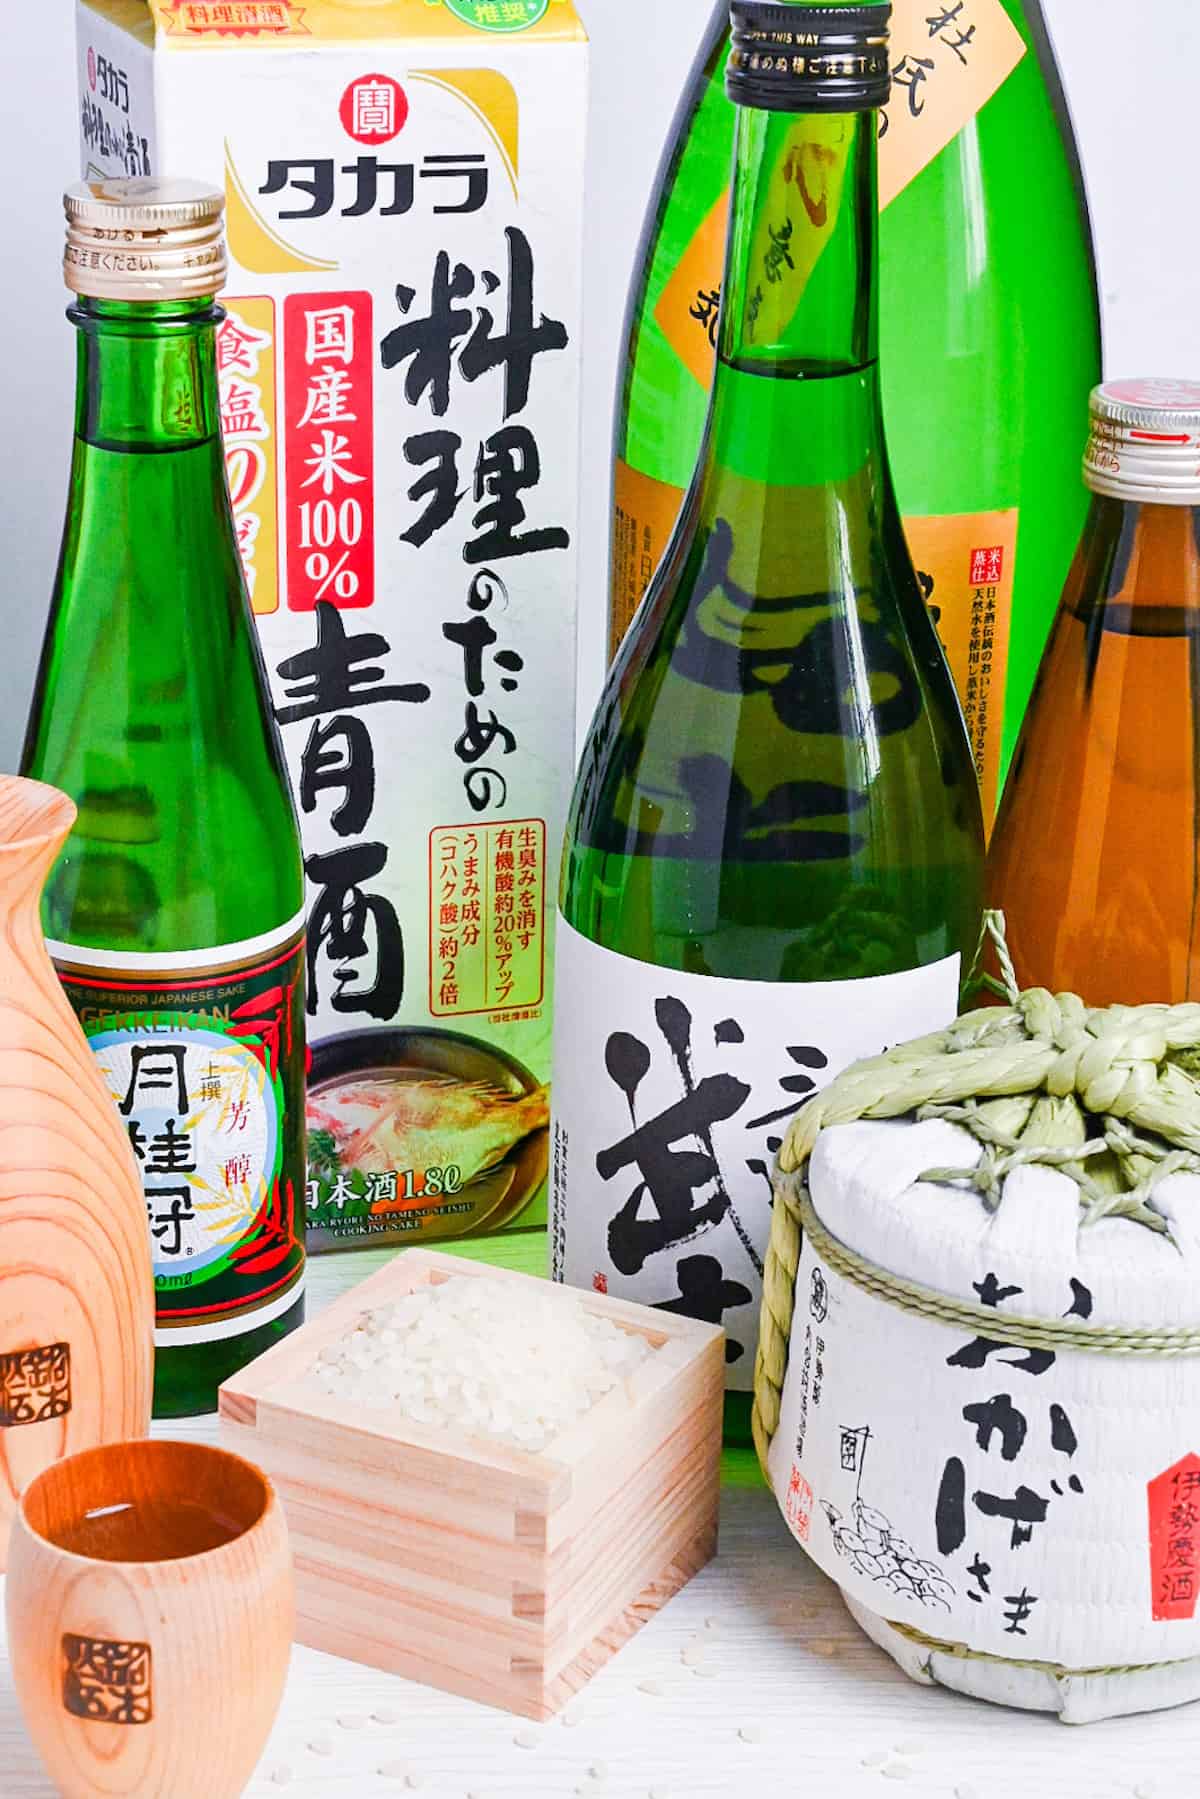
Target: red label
987 565
1174 1501
373 109
330 453
799 1503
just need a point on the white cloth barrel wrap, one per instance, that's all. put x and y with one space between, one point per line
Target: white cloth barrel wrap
1036 1505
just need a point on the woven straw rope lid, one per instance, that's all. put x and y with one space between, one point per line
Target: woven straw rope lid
1108 1097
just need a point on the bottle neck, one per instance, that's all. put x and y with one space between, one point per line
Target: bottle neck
800 314
147 375
801 279
1138 567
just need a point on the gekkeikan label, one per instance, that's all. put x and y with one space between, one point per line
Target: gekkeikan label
672 1093
203 1053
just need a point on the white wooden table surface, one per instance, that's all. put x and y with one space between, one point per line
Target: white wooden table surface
779 1695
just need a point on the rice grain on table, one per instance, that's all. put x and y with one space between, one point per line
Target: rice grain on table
490 1357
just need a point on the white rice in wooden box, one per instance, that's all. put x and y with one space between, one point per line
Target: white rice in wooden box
491 1358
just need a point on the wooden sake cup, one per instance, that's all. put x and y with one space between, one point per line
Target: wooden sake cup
152 1666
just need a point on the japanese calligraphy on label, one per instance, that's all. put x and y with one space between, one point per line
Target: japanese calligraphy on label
965 564
690 304
203 1055
327 352
233 18
970 1487
948 59
672 1093
246 383
486 917
1174 1505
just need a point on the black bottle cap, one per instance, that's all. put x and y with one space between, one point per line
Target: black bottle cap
790 57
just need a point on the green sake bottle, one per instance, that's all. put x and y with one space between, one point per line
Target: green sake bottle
175 913
774 856
990 336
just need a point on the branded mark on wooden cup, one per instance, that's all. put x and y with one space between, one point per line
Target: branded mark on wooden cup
107 1682
35 1384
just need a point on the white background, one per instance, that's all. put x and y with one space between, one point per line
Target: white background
1130 72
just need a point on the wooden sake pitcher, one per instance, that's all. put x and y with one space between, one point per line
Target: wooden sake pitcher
76 1287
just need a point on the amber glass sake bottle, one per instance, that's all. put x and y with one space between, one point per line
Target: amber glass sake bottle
774 857
1096 858
175 912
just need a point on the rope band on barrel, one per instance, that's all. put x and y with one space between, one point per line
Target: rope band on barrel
961 1652
985 1321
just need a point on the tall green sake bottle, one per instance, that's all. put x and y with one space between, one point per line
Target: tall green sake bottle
990 336
773 860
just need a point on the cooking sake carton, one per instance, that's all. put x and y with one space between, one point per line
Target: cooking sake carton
399 382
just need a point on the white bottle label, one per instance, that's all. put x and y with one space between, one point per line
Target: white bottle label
671 1095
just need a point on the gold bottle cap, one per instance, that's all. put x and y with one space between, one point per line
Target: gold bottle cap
1144 442
144 240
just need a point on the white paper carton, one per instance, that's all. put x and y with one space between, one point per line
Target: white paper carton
399 393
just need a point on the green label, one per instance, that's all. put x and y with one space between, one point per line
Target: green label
499 15
205 1064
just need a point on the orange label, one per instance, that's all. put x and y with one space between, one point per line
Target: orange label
246 383
964 563
949 58
690 303
487 917
644 514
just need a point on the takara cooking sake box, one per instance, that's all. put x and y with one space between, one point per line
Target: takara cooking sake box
399 394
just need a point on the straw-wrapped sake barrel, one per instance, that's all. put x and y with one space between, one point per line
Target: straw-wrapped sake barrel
978 1386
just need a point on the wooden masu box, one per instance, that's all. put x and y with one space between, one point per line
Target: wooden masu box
508 1578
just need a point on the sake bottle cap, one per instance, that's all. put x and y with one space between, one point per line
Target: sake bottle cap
1144 443
144 239
801 56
